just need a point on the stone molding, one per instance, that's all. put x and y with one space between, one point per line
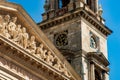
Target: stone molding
29 63
21 74
81 11
25 21
99 59
17 34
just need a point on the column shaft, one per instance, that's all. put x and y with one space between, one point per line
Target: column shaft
92 72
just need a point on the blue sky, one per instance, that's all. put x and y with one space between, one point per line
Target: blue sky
111 14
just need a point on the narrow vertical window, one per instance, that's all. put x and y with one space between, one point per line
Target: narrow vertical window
63 3
60 3
93 42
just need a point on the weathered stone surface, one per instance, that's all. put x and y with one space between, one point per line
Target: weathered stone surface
29 47
86 34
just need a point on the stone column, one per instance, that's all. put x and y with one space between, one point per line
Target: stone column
52 4
96 5
92 5
56 4
92 71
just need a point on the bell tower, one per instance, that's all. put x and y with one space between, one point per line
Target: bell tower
92 4
77 29
56 4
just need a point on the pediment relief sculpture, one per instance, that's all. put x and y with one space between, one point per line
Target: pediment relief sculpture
19 35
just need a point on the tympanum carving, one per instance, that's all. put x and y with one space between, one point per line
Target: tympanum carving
11 30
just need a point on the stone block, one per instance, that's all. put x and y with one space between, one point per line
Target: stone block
70 7
79 5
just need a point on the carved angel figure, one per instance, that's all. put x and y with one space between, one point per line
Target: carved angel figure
25 38
6 20
57 64
49 58
41 52
17 31
2 28
12 27
18 34
63 70
61 67
43 55
3 25
6 34
32 44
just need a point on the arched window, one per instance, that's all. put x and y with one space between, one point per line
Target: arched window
93 43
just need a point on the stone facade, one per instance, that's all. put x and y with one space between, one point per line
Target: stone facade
25 52
69 44
77 29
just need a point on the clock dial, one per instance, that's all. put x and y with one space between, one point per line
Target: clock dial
61 40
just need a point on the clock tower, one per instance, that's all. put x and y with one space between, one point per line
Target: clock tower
77 29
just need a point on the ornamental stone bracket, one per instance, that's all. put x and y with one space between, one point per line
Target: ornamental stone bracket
21 34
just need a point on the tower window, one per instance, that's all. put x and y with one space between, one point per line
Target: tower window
60 3
92 5
63 3
93 43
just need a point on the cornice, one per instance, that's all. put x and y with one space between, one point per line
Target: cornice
84 12
19 52
99 57
32 29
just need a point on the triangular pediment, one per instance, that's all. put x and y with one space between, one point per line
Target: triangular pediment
99 57
19 31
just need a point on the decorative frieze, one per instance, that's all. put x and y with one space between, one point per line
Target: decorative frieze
19 35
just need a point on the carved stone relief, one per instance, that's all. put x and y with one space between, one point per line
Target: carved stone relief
16 69
19 35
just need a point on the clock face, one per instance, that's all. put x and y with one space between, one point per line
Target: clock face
61 40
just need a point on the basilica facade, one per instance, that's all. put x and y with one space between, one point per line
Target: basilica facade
69 44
